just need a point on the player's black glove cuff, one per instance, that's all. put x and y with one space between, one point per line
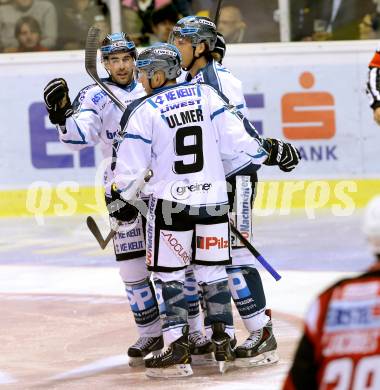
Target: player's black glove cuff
120 209
220 48
283 154
57 101
375 105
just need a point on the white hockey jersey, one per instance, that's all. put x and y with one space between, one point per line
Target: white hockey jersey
96 119
182 133
224 81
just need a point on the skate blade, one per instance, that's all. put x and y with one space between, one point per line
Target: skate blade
206 359
135 361
176 371
224 366
264 359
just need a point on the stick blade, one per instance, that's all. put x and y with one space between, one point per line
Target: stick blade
93 227
91 51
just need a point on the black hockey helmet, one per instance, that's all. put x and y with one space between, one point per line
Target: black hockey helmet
118 42
160 56
197 28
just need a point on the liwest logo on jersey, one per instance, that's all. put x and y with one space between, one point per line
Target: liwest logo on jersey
176 106
182 190
97 97
207 243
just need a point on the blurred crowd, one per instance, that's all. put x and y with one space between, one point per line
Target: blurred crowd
40 25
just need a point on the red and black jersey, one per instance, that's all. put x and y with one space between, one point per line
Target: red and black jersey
340 347
373 82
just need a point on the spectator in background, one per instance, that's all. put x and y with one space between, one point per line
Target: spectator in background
77 18
103 24
328 19
28 35
231 24
258 24
137 16
369 28
204 7
163 21
41 10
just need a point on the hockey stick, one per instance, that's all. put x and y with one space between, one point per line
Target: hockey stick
92 42
92 225
90 64
256 253
94 229
217 13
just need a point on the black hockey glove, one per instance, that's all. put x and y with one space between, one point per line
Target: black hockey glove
57 101
119 208
283 154
220 48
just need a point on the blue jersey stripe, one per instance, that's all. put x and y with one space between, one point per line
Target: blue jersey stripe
217 112
89 109
136 136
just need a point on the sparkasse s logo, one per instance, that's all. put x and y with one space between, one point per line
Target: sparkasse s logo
308 115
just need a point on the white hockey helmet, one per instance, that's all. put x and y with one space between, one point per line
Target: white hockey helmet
371 224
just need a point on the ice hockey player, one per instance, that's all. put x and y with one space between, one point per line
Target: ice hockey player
181 131
373 85
200 345
340 346
196 38
93 119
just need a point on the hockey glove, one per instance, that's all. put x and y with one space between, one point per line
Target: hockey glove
119 208
220 48
57 101
283 154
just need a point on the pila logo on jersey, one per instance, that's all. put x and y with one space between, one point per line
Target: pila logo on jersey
211 242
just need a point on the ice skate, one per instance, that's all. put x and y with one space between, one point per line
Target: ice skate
259 349
142 347
174 361
201 349
223 351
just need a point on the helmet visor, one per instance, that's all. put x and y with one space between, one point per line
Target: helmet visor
176 37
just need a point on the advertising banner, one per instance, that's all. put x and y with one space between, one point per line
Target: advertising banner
310 94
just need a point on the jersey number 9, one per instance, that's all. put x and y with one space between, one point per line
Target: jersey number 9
182 149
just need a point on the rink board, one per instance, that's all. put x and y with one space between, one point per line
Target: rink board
311 94
341 197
